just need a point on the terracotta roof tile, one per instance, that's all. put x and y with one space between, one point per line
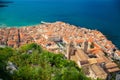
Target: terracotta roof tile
110 65
100 60
113 70
79 40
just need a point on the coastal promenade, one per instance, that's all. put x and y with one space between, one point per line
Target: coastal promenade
90 49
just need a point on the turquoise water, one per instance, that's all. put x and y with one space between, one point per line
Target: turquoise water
103 15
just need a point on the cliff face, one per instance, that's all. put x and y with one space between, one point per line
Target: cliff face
84 46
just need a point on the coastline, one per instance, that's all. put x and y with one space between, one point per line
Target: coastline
88 48
30 25
42 22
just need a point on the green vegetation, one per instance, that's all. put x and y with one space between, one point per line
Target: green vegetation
33 63
5 53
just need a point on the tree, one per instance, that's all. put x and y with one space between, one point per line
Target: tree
40 64
5 53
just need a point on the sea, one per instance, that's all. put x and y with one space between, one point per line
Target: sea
102 15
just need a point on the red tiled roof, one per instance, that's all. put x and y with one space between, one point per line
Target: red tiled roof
118 53
79 40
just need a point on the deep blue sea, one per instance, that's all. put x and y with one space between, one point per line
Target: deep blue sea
103 15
